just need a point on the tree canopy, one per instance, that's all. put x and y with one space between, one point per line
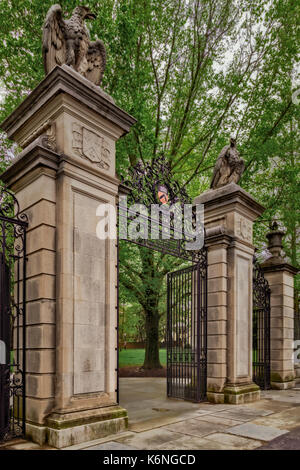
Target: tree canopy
192 72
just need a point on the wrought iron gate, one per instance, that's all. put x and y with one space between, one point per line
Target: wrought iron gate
261 328
187 332
12 317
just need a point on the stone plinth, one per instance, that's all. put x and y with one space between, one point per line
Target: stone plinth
229 215
68 129
280 276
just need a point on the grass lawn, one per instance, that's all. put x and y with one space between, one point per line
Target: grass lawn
135 357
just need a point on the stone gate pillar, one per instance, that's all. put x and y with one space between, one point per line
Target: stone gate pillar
229 215
68 128
280 276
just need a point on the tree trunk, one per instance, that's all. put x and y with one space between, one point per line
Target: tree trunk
152 340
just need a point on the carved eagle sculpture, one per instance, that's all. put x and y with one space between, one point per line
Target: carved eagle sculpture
229 166
68 42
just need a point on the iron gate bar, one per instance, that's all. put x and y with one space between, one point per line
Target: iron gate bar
12 311
186 332
261 329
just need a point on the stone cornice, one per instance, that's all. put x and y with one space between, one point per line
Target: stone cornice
230 194
35 155
275 264
66 80
218 239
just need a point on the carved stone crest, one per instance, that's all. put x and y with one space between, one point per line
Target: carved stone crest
91 146
244 229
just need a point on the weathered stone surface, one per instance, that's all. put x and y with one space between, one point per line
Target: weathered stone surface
40 385
239 394
38 409
68 129
280 278
229 215
256 431
233 442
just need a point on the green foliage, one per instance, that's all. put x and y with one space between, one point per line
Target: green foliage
192 73
135 357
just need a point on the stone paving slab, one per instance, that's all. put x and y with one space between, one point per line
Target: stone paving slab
287 396
195 427
256 431
289 441
234 442
269 405
112 445
213 407
287 419
243 414
150 440
23 444
193 443
219 420
159 420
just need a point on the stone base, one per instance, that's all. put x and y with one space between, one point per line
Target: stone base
283 385
239 394
36 433
66 429
215 397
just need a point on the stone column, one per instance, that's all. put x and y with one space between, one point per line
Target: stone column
217 243
229 215
68 128
280 276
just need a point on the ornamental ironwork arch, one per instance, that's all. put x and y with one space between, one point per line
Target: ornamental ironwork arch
153 183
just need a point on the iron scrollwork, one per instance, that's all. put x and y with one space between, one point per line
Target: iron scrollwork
144 180
153 183
13 224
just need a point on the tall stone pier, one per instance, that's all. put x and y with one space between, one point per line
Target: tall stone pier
280 275
229 214
68 129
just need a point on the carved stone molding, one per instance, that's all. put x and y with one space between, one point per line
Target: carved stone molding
48 131
244 228
87 144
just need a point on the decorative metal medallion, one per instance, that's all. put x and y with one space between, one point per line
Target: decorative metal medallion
151 181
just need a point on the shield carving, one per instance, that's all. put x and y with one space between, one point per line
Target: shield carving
92 145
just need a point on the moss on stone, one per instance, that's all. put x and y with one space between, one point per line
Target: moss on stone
247 389
214 388
276 377
64 424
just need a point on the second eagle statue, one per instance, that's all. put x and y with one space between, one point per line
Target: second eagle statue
68 42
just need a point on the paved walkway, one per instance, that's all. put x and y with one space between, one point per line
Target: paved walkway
156 422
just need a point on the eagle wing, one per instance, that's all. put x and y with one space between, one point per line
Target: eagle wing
54 43
218 165
96 58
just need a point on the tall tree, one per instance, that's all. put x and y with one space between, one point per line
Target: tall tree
192 72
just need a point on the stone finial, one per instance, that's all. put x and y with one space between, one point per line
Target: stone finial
275 240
